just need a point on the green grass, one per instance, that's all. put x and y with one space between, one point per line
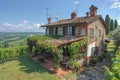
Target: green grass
13 47
111 47
18 42
24 69
44 37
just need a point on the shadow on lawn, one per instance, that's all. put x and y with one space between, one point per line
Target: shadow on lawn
29 66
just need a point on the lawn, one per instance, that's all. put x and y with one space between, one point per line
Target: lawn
24 68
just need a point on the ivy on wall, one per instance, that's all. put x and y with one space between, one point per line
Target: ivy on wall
75 48
49 49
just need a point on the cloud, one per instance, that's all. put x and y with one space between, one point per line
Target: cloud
24 26
118 19
25 21
115 4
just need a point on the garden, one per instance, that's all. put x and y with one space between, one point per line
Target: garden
64 51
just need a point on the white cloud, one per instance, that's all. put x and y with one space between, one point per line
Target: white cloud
23 26
115 4
76 2
25 21
37 24
118 19
116 0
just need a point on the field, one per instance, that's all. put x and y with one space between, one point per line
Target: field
24 69
15 39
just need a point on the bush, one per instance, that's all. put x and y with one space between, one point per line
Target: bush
74 65
93 61
101 57
57 60
77 66
77 56
113 73
8 53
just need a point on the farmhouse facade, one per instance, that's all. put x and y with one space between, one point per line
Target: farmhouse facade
92 25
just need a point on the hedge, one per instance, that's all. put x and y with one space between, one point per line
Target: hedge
9 53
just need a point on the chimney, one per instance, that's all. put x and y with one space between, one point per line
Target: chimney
49 20
73 15
93 10
87 14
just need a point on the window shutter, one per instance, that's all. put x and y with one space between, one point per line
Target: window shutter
64 30
56 30
73 30
49 31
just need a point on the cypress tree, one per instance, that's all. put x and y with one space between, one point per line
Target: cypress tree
107 20
111 25
116 24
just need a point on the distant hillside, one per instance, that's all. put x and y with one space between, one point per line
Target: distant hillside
15 39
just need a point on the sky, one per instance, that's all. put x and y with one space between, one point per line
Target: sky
28 15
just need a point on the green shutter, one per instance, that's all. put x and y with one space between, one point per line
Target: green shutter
73 30
49 31
64 30
56 30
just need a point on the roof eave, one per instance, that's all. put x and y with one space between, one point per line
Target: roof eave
106 26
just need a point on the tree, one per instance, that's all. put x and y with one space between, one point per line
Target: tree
5 44
116 36
111 25
107 20
116 24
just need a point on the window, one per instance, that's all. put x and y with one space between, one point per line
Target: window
70 30
102 35
91 33
99 33
83 32
51 31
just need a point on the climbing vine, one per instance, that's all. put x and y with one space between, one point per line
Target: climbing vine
49 49
77 48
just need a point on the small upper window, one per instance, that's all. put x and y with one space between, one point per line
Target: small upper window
92 33
70 30
99 33
83 32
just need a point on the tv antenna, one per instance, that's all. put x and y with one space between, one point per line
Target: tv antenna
77 5
57 16
47 14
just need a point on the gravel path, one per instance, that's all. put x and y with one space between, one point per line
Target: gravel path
95 72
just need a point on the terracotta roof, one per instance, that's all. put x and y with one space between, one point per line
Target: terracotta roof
60 42
77 20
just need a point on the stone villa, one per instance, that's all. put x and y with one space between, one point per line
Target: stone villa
91 25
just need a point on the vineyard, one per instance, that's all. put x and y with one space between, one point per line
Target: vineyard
13 52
